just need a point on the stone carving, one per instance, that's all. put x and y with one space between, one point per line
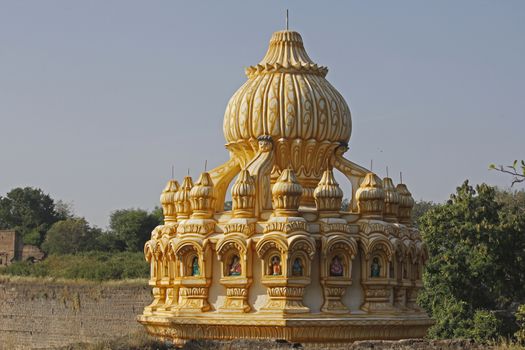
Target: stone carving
286 227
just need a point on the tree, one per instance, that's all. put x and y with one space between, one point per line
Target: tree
517 172
476 267
133 227
71 236
420 208
29 211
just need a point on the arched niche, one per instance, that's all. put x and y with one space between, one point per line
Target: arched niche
233 250
395 264
195 269
234 255
191 257
378 254
301 251
338 252
273 252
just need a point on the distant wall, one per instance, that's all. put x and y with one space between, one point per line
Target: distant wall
10 246
39 313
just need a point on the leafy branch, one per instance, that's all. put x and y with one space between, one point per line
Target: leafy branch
514 170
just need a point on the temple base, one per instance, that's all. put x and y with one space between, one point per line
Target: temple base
308 329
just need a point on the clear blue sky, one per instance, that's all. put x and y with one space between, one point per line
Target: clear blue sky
99 98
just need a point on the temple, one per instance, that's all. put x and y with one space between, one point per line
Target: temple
286 262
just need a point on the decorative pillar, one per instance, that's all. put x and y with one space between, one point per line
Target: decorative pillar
286 249
234 253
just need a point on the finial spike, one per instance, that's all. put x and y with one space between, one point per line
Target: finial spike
188 171
387 171
172 172
286 19
371 165
400 177
205 165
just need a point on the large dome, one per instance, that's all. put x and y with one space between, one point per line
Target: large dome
288 98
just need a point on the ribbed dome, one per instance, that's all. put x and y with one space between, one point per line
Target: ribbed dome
287 97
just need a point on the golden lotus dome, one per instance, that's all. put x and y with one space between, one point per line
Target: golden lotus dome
288 98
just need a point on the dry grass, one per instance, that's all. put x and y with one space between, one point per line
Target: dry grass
75 282
135 341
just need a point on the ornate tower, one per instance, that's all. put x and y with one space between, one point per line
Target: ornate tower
286 262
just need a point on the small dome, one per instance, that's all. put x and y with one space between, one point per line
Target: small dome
201 197
391 208
286 193
167 200
370 197
406 203
243 195
288 98
328 195
182 199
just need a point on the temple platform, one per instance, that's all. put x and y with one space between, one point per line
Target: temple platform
311 328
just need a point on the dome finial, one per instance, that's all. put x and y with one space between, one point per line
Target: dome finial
287 19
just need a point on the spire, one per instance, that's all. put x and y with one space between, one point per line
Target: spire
286 193
328 195
167 200
286 53
391 208
201 197
182 199
406 203
370 197
243 195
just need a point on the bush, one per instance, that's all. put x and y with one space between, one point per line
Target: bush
100 266
485 326
520 318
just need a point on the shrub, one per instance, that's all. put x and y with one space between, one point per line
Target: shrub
520 318
98 266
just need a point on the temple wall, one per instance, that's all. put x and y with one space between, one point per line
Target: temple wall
354 296
39 313
313 294
313 297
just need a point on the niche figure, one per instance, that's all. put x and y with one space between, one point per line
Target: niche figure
275 266
195 270
375 269
336 267
235 266
297 267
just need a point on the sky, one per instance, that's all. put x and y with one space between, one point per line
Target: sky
98 99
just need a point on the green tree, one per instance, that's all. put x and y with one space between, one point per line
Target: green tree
29 211
133 227
71 236
476 243
420 208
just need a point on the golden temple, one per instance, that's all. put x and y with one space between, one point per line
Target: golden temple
286 262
